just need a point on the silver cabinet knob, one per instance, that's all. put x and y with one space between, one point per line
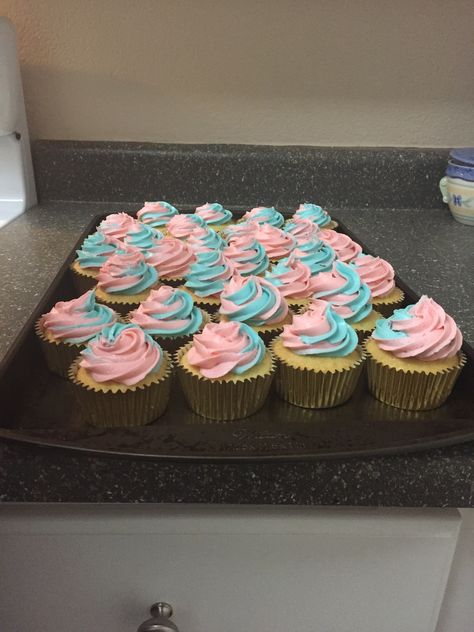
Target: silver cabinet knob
161 613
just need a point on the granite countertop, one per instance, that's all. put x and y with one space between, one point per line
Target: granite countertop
430 252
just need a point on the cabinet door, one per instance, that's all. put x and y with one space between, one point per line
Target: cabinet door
223 569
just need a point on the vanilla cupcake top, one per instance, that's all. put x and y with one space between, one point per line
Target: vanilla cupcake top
121 353
265 215
214 214
168 311
156 214
422 331
254 301
319 332
77 321
126 273
225 348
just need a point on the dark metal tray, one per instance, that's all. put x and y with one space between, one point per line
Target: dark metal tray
36 408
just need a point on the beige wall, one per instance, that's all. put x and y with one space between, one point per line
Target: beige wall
319 72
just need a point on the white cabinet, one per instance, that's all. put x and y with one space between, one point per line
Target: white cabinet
272 569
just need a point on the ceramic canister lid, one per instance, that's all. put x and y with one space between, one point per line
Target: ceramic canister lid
463 156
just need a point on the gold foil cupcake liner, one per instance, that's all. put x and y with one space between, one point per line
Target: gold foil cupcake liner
411 390
136 405
387 309
172 281
317 389
82 281
57 354
223 400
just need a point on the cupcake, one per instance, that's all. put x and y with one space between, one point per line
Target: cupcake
247 255
169 316
181 226
116 225
319 361
318 256
67 328
142 236
415 357
203 239
156 214
302 229
379 275
346 249
125 280
207 277
226 372
293 279
316 214
93 253
265 215
215 215
257 303
240 229
172 259
349 297
276 242
122 378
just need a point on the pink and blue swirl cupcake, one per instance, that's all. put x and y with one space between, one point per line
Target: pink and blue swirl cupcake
93 253
315 214
415 357
319 360
169 316
157 214
67 328
293 279
379 275
203 239
172 258
226 371
247 255
181 226
257 303
318 256
207 278
264 215
122 378
215 215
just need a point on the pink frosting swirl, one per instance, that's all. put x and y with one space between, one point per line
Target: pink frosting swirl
247 254
345 248
117 225
123 354
181 226
423 331
126 271
223 348
293 278
276 242
377 273
171 257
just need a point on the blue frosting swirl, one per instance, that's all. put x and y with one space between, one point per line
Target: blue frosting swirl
147 277
317 255
211 239
143 237
360 304
266 215
179 307
94 251
158 218
383 326
315 213
208 275
252 300
250 259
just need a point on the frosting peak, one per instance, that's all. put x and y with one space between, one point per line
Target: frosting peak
171 257
319 331
117 225
314 213
302 229
423 331
225 348
314 253
276 242
204 238
181 226
123 354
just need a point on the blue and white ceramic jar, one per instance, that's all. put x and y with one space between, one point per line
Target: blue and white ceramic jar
457 186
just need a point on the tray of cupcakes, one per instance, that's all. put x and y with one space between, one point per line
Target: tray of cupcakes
217 334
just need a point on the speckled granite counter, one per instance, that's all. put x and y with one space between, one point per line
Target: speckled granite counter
430 251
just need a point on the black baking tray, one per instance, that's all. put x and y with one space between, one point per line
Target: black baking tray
36 408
